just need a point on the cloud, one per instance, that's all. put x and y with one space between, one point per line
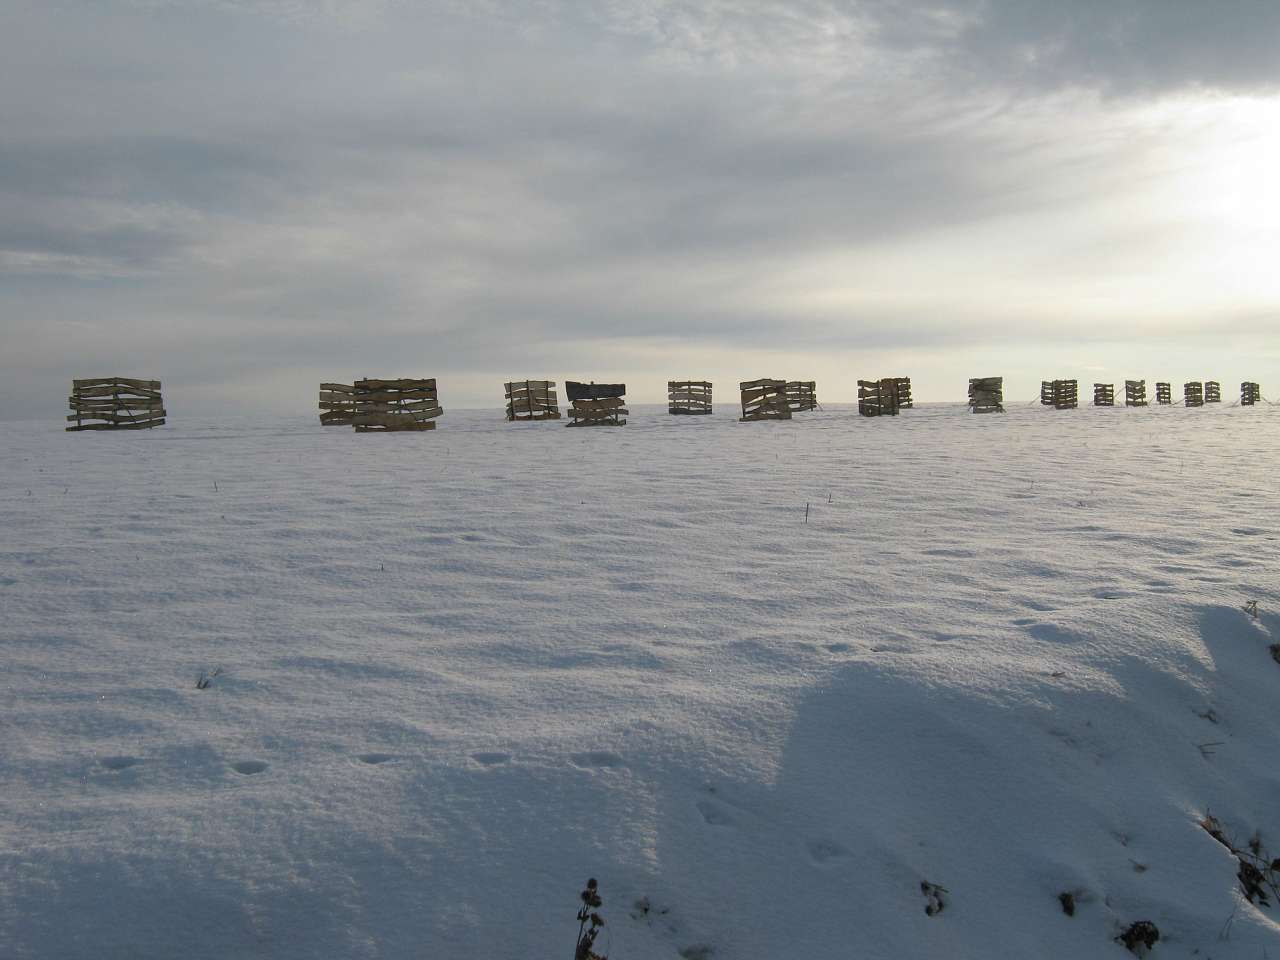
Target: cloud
234 190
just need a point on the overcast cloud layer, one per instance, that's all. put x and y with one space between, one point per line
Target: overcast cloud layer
246 198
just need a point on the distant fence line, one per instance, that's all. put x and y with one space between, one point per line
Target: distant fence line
412 404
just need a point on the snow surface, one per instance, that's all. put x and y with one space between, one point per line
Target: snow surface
463 671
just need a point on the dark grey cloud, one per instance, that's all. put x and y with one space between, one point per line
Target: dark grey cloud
1122 47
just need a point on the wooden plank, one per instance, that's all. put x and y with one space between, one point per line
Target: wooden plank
420 408
337 388
106 393
428 383
392 396
587 413
118 417
122 404
144 425
391 421
603 403
574 390
121 381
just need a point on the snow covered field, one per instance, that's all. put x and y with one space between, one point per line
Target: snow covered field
463 671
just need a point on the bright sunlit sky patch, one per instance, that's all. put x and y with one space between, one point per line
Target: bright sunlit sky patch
244 199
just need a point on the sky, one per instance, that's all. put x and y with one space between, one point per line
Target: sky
243 199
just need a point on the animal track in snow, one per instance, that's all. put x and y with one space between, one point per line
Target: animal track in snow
714 814
249 767
596 758
373 759
825 852
119 763
491 759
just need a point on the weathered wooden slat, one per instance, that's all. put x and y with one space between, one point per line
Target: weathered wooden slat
122 404
142 425
603 403
120 381
573 390
393 396
590 413
529 385
418 408
428 383
337 388
90 393
390 420
533 397
548 415
121 416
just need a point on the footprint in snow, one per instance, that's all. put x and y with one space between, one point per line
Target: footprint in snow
714 814
826 853
119 763
489 759
596 758
249 767
374 759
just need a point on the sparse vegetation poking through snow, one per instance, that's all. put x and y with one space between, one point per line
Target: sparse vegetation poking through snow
1068 901
205 680
935 897
589 923
1259 873
1140 937
1251 608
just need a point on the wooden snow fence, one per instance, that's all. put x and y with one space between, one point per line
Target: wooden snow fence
1212 391
802 395
1250 393
393 405
986 395
1193 394
1164 393
688 397
532 400
1104 394
1135 393
878 398
903 387
1060 394
596 404
764 400
115 403
337 404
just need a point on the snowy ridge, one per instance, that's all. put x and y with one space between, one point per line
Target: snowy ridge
464 671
